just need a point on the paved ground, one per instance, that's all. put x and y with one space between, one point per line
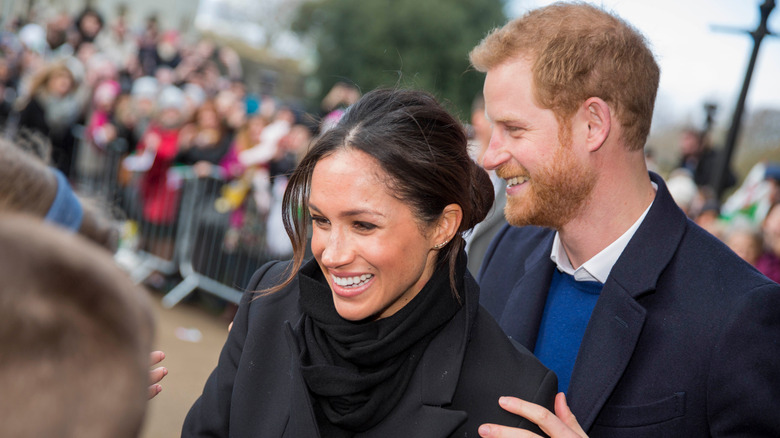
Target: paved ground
189 363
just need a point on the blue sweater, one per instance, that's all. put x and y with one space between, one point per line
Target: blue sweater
566 314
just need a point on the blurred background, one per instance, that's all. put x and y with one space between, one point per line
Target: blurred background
180 120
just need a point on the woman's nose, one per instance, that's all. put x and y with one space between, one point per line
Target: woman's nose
337 250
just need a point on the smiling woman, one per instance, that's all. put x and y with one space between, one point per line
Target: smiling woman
381 333
374 254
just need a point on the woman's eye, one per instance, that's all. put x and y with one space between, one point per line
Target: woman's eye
319 220
364 226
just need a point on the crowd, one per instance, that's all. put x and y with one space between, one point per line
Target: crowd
134 110
593 313
747 220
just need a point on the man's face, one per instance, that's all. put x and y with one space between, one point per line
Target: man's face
547 181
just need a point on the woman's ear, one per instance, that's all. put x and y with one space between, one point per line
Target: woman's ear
448 224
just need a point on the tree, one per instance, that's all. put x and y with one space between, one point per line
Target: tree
421 44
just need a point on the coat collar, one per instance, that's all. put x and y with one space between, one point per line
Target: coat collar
433 384
617 320
523 311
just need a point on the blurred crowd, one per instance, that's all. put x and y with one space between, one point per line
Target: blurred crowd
159 101
748 219
133 107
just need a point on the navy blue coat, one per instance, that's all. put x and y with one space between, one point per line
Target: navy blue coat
257 389
684 340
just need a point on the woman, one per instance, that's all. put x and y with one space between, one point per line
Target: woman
381 334
52 107
205 142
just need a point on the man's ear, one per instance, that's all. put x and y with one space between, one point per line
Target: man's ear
598 117
448 224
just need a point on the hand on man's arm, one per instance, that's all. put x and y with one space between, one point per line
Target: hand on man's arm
562 424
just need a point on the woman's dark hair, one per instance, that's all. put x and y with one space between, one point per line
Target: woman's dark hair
419 145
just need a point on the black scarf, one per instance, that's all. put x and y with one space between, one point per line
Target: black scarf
358 371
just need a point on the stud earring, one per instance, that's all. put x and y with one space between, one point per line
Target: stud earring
441 245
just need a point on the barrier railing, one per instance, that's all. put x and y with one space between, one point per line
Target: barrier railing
219 246
176 223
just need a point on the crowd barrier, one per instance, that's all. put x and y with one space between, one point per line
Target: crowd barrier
196 231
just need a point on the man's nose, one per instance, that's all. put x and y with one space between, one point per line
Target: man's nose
496 154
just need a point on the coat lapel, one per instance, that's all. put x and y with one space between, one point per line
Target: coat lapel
617 320
606 349
523 312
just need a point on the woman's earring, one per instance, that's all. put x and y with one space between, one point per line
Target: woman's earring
441 245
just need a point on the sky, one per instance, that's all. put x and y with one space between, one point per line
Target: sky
698 63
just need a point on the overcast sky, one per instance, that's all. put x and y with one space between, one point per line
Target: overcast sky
700 64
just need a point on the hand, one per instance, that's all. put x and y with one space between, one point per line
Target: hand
561 425
151 141
156 374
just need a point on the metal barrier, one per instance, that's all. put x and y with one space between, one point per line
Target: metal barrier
219 246
203 229
153 209
95 171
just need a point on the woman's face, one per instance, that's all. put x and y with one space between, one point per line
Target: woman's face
369 245
207 119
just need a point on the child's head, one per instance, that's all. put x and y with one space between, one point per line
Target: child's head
76 336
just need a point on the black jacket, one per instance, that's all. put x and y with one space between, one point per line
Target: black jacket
257 389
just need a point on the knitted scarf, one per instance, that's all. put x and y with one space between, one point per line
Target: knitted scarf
358 371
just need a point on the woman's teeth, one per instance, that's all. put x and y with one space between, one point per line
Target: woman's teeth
352 281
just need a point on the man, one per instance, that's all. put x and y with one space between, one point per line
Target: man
653 326
698 156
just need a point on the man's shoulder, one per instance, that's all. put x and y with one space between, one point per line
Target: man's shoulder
708 273
704 254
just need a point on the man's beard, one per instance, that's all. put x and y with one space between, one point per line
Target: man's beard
555 194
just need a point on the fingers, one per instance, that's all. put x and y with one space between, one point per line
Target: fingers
230 326
153 391
496 431
563 412
157 374
156 357
546 420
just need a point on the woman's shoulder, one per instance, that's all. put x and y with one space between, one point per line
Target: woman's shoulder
496 366
490 342
267 276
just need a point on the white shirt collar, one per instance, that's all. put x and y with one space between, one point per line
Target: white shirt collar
600 265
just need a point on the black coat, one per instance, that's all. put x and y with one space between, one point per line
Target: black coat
33 117
684 340
257 389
